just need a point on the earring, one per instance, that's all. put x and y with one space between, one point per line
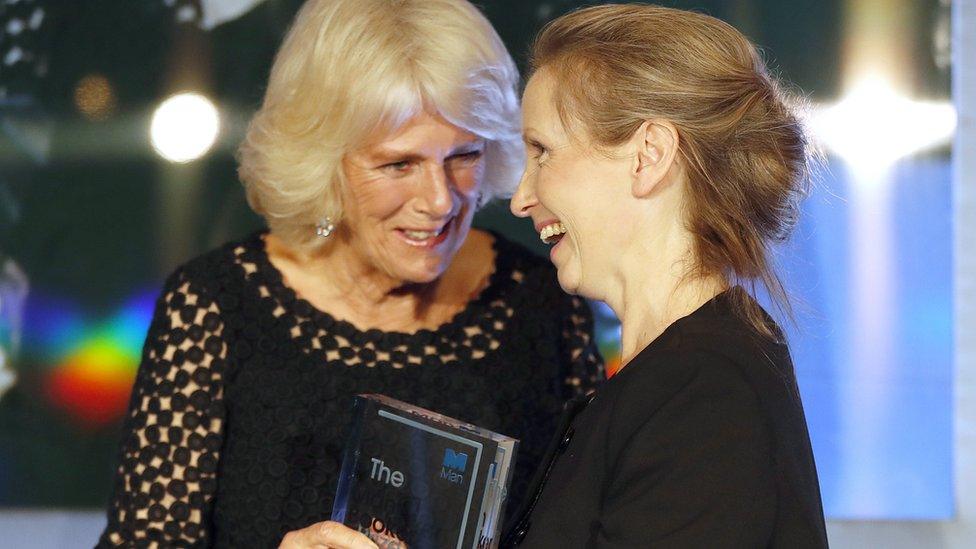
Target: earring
324 227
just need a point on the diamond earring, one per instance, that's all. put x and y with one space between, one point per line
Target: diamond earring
324 227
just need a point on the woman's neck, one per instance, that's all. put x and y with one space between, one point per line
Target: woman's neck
649 313
653 289
338 281
339 269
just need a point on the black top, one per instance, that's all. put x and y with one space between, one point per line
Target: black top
238 416
700 441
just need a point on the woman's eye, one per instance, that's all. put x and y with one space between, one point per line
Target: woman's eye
538 153
397 167
469 157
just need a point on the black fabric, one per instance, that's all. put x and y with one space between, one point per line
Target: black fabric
239 410
700 441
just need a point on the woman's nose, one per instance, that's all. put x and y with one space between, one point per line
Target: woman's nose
524 198
437 199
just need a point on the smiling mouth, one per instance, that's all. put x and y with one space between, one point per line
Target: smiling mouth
423 235
425 238
552 233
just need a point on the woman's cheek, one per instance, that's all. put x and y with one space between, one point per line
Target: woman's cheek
468 181
380 201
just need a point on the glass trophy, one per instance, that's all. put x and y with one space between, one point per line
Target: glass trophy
412 478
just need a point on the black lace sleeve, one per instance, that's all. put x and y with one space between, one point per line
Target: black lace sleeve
583 363
172 436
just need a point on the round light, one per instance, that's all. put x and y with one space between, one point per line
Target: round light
94 97
184 127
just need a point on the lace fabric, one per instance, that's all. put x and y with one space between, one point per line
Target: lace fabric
237 418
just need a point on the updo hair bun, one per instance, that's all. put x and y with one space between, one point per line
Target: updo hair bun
741 139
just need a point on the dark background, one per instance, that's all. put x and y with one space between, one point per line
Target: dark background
89 212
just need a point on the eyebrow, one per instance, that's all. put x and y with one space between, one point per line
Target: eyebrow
530 135
470 146
384 153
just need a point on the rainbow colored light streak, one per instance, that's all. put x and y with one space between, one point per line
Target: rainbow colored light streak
607 331
89 365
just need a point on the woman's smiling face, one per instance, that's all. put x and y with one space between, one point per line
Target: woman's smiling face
572 192
411 196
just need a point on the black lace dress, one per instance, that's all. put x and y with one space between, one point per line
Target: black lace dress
238 415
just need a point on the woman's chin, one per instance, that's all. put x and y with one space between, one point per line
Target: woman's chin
420 276
568 268
568 281
417 265
425 270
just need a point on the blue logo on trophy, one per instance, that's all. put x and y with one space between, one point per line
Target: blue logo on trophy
454 465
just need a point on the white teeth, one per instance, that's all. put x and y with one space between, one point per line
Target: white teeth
550 231
422 235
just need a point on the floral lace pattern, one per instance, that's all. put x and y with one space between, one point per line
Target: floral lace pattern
238 414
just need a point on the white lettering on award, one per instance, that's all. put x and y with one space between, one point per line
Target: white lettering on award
384 474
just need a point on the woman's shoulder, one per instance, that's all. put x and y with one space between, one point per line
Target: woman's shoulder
679 397
708 358
720 333
218 267
656 376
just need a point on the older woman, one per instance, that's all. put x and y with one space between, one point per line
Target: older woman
385 125
663 162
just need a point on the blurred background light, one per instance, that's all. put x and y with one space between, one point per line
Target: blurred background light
873 125
184 127
94 97
88 362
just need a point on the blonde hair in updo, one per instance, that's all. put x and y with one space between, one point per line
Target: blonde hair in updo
742 145
349 69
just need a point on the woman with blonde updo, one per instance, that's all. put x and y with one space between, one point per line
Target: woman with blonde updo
663 161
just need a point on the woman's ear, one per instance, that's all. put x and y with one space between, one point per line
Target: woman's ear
656 142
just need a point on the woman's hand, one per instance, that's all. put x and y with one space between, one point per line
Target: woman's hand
326 535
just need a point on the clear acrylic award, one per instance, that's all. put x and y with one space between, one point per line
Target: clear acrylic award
412 478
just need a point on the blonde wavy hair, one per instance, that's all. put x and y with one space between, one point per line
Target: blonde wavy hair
349 69
740 134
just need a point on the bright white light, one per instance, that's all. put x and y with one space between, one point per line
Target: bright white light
874 126
184 127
